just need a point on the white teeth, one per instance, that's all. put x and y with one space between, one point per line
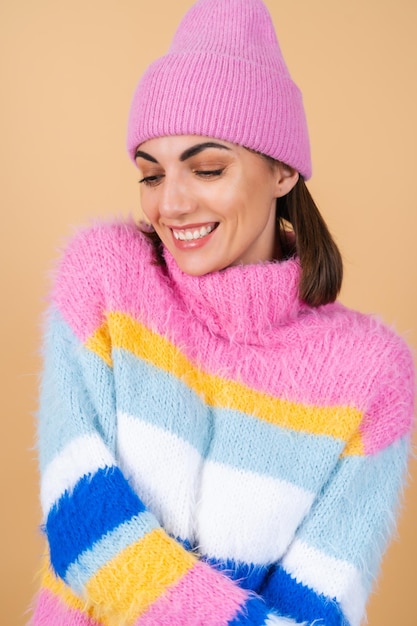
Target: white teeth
189 235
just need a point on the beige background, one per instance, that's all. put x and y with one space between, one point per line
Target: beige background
68 70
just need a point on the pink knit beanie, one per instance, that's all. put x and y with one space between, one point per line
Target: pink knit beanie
224 77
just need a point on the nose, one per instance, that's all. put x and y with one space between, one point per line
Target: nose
175 199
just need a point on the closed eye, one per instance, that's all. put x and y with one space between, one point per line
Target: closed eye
151 181
209 173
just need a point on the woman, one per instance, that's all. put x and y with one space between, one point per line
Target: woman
220 442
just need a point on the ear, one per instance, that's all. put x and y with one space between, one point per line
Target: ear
286 179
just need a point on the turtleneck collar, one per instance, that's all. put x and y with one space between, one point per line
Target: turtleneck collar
242 303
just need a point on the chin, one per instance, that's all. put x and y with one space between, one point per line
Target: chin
197 269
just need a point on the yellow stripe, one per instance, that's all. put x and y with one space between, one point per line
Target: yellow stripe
60 589
340 422
100 343
64 593
355 446
150 565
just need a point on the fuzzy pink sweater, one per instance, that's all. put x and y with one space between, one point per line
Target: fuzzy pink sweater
213 451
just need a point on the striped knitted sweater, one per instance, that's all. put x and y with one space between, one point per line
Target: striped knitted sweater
213 451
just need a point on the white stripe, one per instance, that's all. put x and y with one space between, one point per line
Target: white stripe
82 456
275 620
164 470
248 516
329 576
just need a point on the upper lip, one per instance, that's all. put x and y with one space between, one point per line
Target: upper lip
191 226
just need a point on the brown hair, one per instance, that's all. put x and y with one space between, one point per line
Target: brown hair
320 259
319 256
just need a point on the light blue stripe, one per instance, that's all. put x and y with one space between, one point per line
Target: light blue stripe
66 410
236 439
159 398
247 443
354 515
88 564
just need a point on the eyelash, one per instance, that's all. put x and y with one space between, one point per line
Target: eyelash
209 173
152 181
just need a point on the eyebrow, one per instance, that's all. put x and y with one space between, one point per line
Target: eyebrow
190 152
187 154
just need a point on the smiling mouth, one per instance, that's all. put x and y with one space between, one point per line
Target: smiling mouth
192 234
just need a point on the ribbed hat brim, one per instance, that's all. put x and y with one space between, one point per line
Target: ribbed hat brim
224 97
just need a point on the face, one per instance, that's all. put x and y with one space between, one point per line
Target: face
211 202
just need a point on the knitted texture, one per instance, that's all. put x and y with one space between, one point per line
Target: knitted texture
224 76
212 451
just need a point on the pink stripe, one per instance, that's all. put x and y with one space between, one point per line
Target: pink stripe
351 367
51 611
332 357
202 596
95 265
375 439
382 425
349 374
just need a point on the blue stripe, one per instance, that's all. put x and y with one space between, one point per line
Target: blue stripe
301 603
186 544
222 435
97 505
253 613
247 575
108 547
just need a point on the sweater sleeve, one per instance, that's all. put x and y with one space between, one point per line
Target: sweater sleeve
327 573
107 547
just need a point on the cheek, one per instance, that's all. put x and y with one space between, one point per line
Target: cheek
149 207
230 200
